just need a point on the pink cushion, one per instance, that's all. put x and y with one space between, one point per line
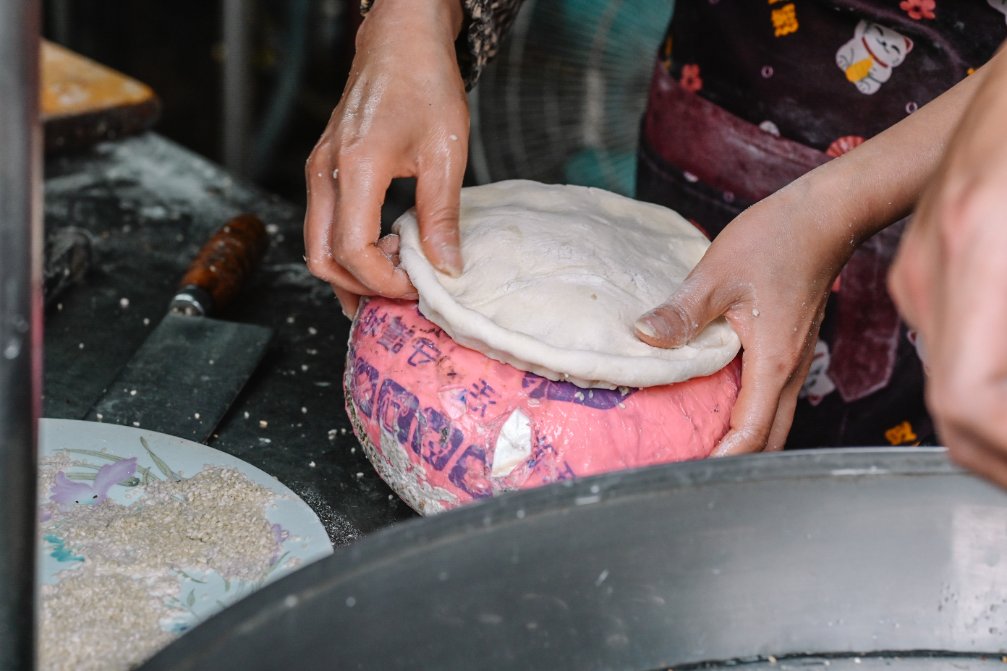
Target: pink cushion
445 425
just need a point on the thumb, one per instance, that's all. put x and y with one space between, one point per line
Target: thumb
438 194
680 318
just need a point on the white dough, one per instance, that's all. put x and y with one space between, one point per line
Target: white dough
554 278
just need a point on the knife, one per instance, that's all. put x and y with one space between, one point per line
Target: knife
191 367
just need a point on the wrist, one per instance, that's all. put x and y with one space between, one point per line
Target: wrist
825 216
444 16
856 196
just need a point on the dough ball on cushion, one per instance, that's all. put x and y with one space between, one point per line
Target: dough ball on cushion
556 275
445 425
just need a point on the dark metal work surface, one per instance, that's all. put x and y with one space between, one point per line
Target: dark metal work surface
150 205
720 563
20 338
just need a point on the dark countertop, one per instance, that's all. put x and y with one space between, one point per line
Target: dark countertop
150 205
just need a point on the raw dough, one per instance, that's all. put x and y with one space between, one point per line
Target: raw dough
554 278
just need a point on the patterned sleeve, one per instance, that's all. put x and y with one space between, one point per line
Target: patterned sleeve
486 22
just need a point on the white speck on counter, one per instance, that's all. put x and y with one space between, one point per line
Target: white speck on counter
304 367
290 320
136 424
146 322
311 352
196 415
265 441
132 392
99 416
80 346
312 330
360 474
304 410
247 415
211 362
59 307
332 434
263 424
350 602
311 464
124 303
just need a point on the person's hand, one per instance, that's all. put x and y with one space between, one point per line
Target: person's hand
949 281
403 113
769 273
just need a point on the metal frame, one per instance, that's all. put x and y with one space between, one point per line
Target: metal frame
237 85
20 325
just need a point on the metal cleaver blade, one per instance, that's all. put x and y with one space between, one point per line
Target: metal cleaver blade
191 367
184 377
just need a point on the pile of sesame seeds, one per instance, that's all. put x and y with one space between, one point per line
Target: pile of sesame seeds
114 609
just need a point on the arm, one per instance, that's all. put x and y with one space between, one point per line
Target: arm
486 22
770 270
402 105
403 113
949 280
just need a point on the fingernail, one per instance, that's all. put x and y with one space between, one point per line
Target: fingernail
720 452
723 448
645 327
450 262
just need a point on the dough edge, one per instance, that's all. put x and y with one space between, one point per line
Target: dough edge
588 369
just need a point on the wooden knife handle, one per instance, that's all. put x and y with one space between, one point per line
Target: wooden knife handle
222 266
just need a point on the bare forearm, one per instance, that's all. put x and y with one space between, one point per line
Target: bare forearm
484 22
439 19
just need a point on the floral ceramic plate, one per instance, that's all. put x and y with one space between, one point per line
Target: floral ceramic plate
104 467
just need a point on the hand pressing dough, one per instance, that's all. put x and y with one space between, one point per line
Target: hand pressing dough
555 277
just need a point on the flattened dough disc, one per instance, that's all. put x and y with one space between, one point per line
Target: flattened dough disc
554 278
